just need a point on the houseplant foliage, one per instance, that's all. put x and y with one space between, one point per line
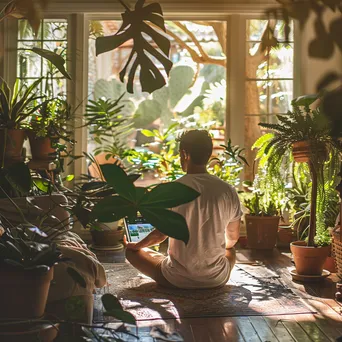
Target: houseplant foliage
25 258
109 127
133 26
124 199
229 164
306 135
265 205
301 126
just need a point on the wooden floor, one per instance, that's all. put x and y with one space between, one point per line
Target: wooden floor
326 325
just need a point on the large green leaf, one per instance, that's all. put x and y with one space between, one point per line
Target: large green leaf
133 27
121 315
168 222
110 302
118 179
169 195
57 60
112 209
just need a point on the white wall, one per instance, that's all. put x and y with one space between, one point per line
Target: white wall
312 69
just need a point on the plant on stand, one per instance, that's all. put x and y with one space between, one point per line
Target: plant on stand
16 106
305 133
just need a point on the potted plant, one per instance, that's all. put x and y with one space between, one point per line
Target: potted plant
48 126
262 222
16 105
26 270
304 133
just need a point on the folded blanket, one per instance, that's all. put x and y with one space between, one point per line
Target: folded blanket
47 213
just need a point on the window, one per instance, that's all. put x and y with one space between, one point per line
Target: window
52 36
195 95
269 79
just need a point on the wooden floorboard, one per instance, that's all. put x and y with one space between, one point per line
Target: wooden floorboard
326 325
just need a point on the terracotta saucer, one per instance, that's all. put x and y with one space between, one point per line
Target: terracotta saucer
308 278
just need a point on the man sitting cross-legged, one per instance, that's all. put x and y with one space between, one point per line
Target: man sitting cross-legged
213 220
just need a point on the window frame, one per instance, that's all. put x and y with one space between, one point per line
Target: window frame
77 64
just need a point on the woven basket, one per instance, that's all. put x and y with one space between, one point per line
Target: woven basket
337 249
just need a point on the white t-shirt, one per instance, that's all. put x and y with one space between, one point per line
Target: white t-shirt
202 263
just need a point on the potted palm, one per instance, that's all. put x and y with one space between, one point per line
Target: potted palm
16 105
304 133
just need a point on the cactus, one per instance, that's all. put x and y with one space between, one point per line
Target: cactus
165 100
112 90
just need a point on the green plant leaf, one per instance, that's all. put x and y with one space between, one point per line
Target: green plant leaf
133 27
169 195
69 178
147 133
55 59
76 276
110 302
112 209
168 222
305 101
121 315
118 179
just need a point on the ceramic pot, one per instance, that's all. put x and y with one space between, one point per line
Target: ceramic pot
14 145
302 151
41 147
309 260
285 236
107 238
23 294
262 231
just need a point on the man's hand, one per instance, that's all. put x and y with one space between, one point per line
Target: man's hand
133 246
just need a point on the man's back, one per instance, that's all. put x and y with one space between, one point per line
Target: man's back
202 263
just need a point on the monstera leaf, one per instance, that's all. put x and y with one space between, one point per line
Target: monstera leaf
153 204
133 27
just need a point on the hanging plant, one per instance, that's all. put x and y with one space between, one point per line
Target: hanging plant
134 26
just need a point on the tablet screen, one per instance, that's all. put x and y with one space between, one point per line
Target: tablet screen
138 229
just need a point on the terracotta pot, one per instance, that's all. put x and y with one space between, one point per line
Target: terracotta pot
303 150
309 260
285 236
41 147
23 294
107 238
330 264
30 332
14 145
262 231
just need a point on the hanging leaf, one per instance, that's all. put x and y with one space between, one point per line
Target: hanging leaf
169 195
117 178
57 60
133 27
110 302
168 222
112 209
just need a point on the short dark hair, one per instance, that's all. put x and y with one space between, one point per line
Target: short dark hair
198 144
